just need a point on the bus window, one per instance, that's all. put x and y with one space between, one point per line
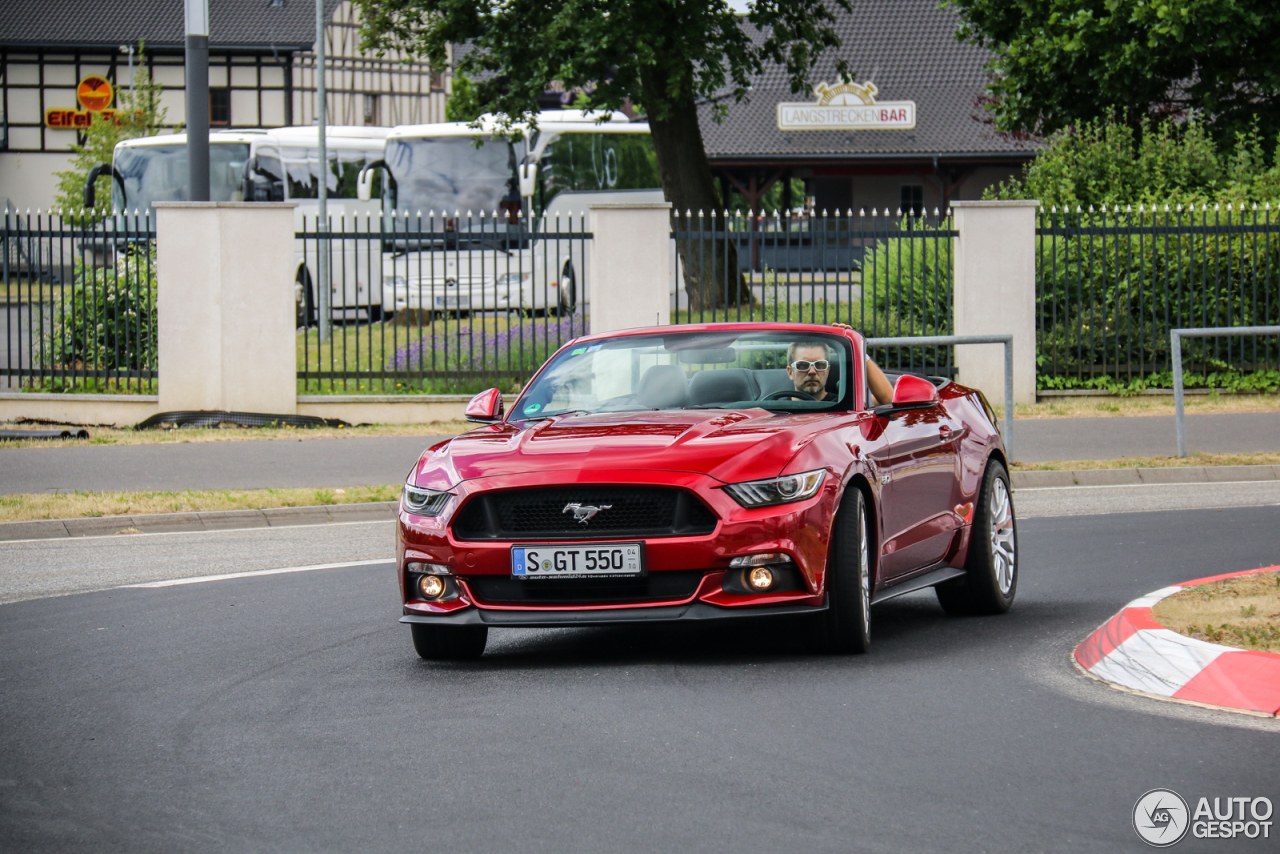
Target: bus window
587 162
269 185
302 167
158 173
451 173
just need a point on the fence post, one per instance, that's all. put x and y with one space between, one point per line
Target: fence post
630 277
226 306
995 292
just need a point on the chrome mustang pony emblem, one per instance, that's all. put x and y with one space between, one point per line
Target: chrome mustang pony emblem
584 513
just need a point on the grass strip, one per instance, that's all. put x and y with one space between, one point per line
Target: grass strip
1242 612
1259 459
127 436
1111 407
76 505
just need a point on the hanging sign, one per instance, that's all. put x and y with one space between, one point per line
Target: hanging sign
94 94
846 106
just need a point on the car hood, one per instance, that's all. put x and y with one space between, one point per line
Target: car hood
728 445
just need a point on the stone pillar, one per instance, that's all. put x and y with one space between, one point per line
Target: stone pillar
995 294
630 266
226 306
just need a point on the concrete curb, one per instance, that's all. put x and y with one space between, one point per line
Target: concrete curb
1134 652
1125 477
214 520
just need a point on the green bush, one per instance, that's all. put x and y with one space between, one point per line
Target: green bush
106 321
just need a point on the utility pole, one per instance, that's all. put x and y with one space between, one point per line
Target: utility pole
324 288
197 100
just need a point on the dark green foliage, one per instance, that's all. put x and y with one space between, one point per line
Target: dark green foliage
1061 62
1105 162
462 105
106 321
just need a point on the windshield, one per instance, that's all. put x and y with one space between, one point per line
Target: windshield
592 162
302 170
451 174
158 173
775 370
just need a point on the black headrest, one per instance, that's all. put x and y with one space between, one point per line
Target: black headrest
664 387
833 379
722 386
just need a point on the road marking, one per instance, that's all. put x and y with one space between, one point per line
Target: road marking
195 531
200 579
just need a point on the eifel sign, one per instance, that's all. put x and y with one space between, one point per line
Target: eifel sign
846 106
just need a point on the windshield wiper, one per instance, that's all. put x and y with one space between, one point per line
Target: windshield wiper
557 414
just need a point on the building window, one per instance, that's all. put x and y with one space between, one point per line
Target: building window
911 199
220 107
371 114
436 81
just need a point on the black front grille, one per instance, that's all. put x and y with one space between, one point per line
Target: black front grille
503 589
632 511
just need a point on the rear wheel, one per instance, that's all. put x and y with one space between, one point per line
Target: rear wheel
845 627
991 569
449 643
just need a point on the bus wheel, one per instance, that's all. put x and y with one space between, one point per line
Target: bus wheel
304 299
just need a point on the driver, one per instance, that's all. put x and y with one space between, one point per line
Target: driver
809 365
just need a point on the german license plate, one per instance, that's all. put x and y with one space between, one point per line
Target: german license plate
585 560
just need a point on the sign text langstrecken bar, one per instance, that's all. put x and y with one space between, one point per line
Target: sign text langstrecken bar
846 106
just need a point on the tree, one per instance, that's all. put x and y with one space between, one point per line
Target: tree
661 55
462 105
138 114
1060 62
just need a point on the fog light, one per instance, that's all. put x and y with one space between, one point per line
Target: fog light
431 586
760 578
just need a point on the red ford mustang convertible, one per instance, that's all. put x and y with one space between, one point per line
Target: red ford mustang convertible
705 473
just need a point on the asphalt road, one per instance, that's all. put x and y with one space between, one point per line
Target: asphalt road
287 712
386 459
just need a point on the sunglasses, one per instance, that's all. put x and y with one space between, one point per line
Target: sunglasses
803 365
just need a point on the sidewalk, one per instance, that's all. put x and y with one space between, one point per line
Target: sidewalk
386 460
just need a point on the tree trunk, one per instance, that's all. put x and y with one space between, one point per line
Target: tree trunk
711 275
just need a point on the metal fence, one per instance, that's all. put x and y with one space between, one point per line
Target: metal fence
1110 285
429 303
887 275
79 302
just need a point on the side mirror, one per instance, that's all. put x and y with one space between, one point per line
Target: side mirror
90 197
364 185
528 178
910 393
485 407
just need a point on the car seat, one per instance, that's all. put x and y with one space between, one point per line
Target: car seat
722 386
664 387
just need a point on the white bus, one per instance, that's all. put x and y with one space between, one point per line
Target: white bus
445 182
282 164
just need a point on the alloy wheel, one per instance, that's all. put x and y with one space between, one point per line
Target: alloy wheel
1003 545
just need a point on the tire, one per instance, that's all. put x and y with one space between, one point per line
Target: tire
376 314
845 627
449 643
304 299
991 567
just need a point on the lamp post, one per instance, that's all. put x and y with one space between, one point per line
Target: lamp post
197 100
324 288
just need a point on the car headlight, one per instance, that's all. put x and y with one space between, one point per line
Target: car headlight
777 490
397 282
424 502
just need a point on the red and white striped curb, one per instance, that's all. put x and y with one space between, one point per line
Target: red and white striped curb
1134 651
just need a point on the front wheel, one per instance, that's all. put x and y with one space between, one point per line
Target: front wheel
449 643
567 299
991 569
845 627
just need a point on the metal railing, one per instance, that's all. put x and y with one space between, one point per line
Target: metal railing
429 303
884 274
1175 345
953 340
1110 284
79 302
